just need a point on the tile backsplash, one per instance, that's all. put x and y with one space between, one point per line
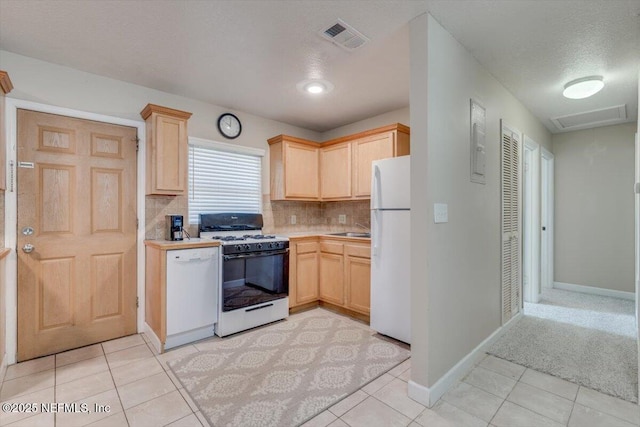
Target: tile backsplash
156 207
313 216
310 216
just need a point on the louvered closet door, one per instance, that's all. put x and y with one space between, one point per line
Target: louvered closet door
511 226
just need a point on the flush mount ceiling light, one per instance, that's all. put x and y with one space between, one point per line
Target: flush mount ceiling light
583 88
315 86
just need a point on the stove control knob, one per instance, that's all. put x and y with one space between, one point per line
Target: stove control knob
247 247
270 245
238 247
259 246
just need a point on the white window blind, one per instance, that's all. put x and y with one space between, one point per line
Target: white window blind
223 181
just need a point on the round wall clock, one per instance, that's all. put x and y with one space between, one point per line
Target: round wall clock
229 125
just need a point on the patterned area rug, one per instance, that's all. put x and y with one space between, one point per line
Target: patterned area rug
286 373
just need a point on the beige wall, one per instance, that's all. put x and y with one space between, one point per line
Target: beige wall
455 266
594 207
396 116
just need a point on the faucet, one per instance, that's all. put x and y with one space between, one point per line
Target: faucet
362 226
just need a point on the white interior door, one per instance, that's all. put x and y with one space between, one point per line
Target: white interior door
511 227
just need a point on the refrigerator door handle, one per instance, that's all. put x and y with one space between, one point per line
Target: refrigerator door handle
376 191
375 235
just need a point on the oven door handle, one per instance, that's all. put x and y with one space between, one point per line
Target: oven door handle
255 254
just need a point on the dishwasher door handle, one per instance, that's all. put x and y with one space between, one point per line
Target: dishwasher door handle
185 259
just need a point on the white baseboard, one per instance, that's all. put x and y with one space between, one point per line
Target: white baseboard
594 291
428 396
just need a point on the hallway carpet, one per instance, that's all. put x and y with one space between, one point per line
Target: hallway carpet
586 339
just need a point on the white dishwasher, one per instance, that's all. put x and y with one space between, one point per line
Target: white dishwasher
192 294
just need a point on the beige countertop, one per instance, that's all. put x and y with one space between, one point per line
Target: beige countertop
168 245
308 234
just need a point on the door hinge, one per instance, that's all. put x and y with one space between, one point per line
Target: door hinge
137 224
137 302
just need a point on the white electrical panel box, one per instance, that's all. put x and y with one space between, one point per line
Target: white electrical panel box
477 152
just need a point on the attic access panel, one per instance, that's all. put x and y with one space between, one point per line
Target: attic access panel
589 119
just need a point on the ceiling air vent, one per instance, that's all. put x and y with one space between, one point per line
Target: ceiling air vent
344 35
591 119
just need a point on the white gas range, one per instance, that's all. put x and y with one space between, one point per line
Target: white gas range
254 273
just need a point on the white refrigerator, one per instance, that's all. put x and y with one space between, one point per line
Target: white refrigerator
390 248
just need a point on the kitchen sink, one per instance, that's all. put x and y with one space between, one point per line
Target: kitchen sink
351 234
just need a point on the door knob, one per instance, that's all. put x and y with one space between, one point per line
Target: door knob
27 231
28 248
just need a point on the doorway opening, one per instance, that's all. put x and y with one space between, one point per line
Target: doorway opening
562 322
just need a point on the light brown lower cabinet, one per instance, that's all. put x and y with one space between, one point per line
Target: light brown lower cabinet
332 277
303 271
330 270
357 278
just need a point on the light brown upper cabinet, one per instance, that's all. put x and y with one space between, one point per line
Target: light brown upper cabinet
339 169
294 166
167 150
5 88
369 148
335 172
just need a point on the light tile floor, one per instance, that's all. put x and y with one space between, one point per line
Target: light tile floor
129 377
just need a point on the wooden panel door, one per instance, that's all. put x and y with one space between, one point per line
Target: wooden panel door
335 172
365 151
77 210
301 173
332 278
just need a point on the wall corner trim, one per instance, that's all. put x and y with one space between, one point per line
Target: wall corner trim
429 396
595 290
3 365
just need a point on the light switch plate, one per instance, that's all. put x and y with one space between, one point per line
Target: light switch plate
342 219
293 219
440 213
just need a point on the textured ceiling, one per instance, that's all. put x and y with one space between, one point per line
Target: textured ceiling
249 55
535 47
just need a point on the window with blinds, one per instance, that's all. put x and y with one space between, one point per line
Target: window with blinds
223 179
